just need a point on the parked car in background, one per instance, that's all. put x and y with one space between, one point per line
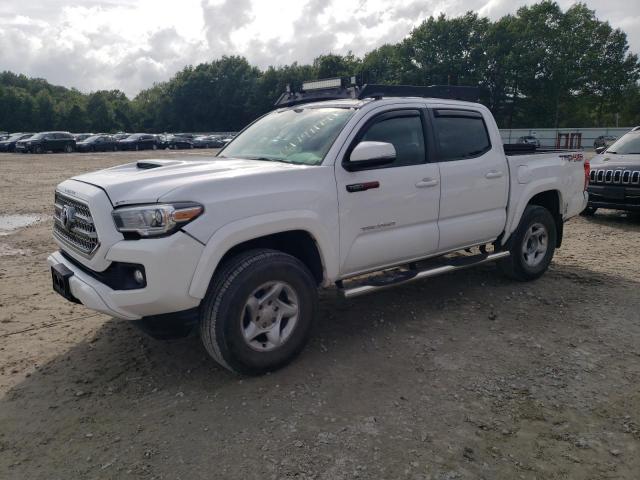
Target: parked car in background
47 142
4 135
140 141
79 137
207 141
121 135
604 141
176 142
9 144
98 143
615 176
529 140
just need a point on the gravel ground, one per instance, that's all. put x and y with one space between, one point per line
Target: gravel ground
467 376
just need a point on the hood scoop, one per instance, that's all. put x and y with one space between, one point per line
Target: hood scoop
147 164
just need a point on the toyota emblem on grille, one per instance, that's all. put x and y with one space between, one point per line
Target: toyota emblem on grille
68 216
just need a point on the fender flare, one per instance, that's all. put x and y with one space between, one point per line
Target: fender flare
534 189
250 228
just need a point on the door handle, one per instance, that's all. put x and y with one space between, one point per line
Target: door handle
427 182
493 174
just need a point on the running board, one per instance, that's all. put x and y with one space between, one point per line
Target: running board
400 277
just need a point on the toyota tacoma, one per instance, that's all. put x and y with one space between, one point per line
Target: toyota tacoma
359 192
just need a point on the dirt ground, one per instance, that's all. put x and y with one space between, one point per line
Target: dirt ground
467 376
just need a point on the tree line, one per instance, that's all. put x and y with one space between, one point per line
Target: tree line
542 67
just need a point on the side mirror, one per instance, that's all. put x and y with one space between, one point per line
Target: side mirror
600 149
370 155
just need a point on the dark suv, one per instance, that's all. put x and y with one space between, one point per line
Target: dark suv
47 142
139 141
615 175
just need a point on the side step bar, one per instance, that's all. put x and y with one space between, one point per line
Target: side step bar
394 278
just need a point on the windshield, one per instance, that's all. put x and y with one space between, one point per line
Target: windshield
37 136
628 144
301 135
92 138
135 136
15 137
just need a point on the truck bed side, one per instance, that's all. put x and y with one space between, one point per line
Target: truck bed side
530 175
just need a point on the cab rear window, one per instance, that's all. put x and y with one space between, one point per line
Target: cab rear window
460 134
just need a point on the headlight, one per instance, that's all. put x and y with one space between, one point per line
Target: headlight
156 219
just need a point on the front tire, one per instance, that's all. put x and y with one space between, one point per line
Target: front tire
532 245
259 312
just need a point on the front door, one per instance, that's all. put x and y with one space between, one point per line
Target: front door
389 214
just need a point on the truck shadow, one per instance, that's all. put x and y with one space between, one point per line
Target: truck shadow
121 384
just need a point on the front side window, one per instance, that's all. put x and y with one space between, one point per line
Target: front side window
628 144
404 133
298 135
460 134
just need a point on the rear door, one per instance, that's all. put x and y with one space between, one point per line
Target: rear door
389 214
474 178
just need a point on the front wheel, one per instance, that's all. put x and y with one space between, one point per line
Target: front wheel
532 245
259 311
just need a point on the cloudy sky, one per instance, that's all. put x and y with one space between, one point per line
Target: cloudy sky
129 44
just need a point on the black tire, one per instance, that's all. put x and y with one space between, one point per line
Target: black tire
39 149
589 211
515 266
221 315
68 148
137 147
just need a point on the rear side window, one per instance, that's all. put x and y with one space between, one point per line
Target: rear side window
460 134
406 135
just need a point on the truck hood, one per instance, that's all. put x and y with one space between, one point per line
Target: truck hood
146 181
613 160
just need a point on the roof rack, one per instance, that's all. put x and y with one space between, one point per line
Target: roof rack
450 92
347 88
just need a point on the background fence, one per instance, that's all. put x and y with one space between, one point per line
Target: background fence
562 137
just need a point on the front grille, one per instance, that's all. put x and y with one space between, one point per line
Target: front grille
615 177
79 233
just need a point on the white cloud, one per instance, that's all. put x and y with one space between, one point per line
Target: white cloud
130 44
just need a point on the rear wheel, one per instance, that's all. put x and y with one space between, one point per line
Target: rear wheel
532 245
259 311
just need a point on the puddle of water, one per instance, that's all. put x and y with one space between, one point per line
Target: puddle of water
10 223
8 251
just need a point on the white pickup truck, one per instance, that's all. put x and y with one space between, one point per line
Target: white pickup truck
358 194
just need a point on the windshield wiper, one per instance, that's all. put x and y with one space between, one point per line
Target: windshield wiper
265 159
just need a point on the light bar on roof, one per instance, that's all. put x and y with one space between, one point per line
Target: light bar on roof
322 84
